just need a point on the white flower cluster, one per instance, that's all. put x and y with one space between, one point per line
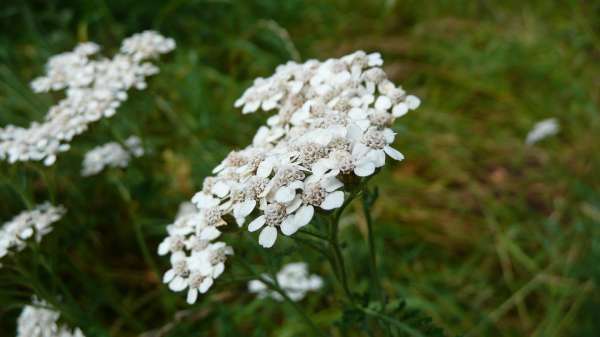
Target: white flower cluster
111 155
293 278
33 223
37 320
542 129
332 125
94 88
195 259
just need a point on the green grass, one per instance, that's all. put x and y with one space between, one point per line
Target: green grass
487 236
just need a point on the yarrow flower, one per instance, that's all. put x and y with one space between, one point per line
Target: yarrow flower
33 223
293 278
38 320
542 129
195 258
332 124
111 155
94 88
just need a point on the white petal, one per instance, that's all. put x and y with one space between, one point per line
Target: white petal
295 86
321 166
357 113
205 285
192 296
303 216
163 247
244 208
240 221
264 169
354 132
178 284
293 206
368 99
321 136
331 184
218 270
209 233
219 167
333 200
220 189
285 194
360 150
50 160
363 124
267 236
270 104
26 233
169 275
296 185
400 110
383 103
257 223
413 102
364 169
378 157
395 154
389 135
251 106
261 135
288 226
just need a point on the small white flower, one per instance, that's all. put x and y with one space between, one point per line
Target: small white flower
39 320
318 192
111 155
542 129
293 278
196 260
33 223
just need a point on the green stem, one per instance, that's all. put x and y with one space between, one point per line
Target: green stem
338 262
9 182
296 307
392 321
372 253
339 259
313 234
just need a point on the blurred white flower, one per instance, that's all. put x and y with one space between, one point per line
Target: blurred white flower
111 155
293 278
38 320
542 129
33 223
94 88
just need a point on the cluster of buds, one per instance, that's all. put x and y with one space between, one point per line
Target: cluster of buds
332 125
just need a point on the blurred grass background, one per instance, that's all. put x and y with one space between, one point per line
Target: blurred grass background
488 236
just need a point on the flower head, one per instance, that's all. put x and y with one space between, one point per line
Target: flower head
332 118
111 155
33 223
94 88
196 259
332 122
39 320
293 278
